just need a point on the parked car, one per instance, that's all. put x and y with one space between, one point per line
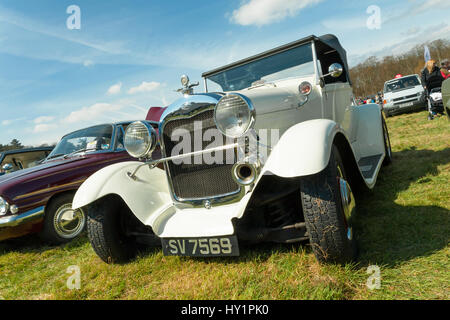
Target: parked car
226 182
446 97
404 94
39 199
13 160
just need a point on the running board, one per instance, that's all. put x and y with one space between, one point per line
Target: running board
368 165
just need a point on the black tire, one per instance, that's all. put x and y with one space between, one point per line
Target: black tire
324 215
57 231
106 231
387 144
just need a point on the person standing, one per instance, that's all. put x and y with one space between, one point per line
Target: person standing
431 76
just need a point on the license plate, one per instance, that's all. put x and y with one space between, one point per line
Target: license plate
201 247
403 105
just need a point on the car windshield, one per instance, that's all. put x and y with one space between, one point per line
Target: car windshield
89 139
295 62
401 84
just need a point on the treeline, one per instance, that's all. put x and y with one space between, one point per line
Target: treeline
16 144
369 76
13 145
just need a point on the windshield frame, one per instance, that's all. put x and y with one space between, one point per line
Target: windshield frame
207 75
111 148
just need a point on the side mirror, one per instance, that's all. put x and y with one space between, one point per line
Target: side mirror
335 70
7 168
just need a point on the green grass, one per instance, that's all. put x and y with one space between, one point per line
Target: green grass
403 227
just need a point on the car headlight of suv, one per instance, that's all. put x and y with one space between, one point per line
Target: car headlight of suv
234 115
140 139
4 206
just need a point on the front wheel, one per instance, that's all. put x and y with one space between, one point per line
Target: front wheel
328 206
61 223
107 232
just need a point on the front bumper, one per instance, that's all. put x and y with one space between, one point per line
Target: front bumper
404 106
21 224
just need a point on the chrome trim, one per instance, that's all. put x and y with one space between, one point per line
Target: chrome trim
153 163
250 107
185 108
152 135
316 70
15 220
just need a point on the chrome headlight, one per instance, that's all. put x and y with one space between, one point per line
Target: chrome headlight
234 115
4 206
140 139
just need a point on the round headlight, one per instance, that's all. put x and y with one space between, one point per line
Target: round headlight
4 206
140 139
234 115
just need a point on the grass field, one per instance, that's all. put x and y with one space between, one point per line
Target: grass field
403 228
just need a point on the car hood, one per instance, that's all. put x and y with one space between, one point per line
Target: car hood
283 94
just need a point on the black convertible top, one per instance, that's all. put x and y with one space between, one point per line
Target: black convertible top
327 41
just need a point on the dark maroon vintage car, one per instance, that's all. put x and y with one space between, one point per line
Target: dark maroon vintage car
39 199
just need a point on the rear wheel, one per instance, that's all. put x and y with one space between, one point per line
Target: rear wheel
328 205
107 232
61 223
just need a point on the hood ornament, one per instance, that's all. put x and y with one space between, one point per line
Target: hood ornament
187 86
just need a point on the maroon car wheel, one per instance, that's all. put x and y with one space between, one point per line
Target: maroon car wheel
61 223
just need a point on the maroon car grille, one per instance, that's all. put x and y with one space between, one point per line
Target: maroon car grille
194 180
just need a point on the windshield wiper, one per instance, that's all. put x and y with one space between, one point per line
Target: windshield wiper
55 156
78 151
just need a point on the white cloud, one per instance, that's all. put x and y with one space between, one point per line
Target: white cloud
7 122
88 63
432 4
42 127
261 12
145 87
98 110
43 119
115 89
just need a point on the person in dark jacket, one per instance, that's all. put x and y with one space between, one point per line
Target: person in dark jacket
431 79
431 76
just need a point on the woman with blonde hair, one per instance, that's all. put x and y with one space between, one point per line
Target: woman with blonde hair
432 79
431 76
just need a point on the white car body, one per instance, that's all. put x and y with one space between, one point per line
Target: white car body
306 136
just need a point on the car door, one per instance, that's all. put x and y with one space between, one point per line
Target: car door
339 106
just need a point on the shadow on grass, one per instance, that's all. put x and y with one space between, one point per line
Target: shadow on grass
391 233
33 244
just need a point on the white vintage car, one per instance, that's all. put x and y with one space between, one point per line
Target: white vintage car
272 151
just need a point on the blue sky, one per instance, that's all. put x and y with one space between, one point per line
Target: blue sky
129 54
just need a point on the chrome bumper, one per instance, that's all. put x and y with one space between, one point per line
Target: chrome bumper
15 220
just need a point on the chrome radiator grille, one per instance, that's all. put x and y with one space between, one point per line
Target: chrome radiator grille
194 179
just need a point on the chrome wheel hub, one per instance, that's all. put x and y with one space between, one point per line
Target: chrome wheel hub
68 223
348 204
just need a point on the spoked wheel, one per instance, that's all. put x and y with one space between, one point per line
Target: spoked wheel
387 144
61 223
329 206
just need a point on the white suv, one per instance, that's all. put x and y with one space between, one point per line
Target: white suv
403 94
